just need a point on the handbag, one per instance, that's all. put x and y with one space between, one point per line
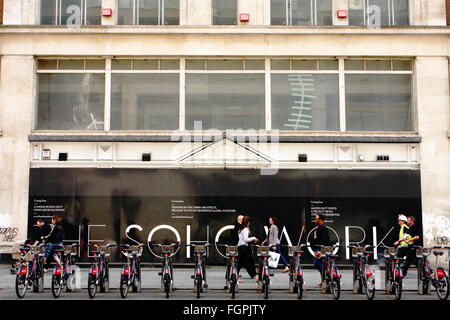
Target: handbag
274 258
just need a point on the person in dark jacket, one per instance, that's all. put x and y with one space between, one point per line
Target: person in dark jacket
41 229
321 237
53 239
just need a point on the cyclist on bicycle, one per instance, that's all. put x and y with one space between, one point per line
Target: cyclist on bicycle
320 237
53 239
41 229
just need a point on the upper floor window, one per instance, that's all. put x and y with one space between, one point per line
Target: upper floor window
301 12
148 12
224 12
378 12
70 12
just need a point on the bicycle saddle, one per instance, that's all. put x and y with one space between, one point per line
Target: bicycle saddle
438 253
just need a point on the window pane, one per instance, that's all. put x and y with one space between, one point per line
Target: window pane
71 101
171 12
377 65
169 64
43 64
356 12
354 64
401 12
379 102
145 64
48 12
144 101
402 65
280 64
71 64
378 12
225 101
301 12
305 102
328 65
224 12
121 64
225 64
324 12
148 12
125 12
95 64
259 64
278 12
71 12
195 64
304 64
93 12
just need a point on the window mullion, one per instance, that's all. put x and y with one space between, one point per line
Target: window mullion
342 109
107 116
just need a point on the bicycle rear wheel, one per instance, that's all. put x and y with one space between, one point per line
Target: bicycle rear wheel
442 288
21 284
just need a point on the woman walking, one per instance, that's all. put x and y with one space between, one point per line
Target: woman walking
273 241
245 253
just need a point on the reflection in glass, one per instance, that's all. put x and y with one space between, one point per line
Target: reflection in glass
171 12
379 102
93 12
144 101
401 10
71 101
301 11
225 101
324 9
48 12
148 12
356 16
125 12
278 12
224 12
305 102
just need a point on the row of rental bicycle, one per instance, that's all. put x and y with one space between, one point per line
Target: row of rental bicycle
30 276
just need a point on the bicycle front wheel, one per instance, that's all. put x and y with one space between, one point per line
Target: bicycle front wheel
56 285
21 285
92 286
123 286
167 285
397 288
299 287
198 286
266 287
335 288
233 282
370 289
442 288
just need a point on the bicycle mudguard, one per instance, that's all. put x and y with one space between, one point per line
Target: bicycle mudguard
125 271
56 270
93 270
440 273
22 270
336 272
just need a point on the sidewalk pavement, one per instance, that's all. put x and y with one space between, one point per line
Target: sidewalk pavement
215 279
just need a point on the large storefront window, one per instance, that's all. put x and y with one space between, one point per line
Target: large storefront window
144 101
225 101
378 12
224 12
148 12
70 12
70 101
301 12
379 102
305 101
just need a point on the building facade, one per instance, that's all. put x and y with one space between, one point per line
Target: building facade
138 118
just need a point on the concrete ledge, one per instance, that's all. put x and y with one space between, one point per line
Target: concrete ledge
235 138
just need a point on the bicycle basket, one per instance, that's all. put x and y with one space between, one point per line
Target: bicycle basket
389 251
293 250
166 249
136 249
199 249
69 249
421 251
263 251
231 251
326 250
355 251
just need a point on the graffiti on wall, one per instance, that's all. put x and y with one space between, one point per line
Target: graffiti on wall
436 229
8 234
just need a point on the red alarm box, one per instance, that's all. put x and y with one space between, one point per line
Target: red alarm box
107 12
342 14
244 17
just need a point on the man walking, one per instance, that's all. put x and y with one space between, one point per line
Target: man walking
414 236
321 237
